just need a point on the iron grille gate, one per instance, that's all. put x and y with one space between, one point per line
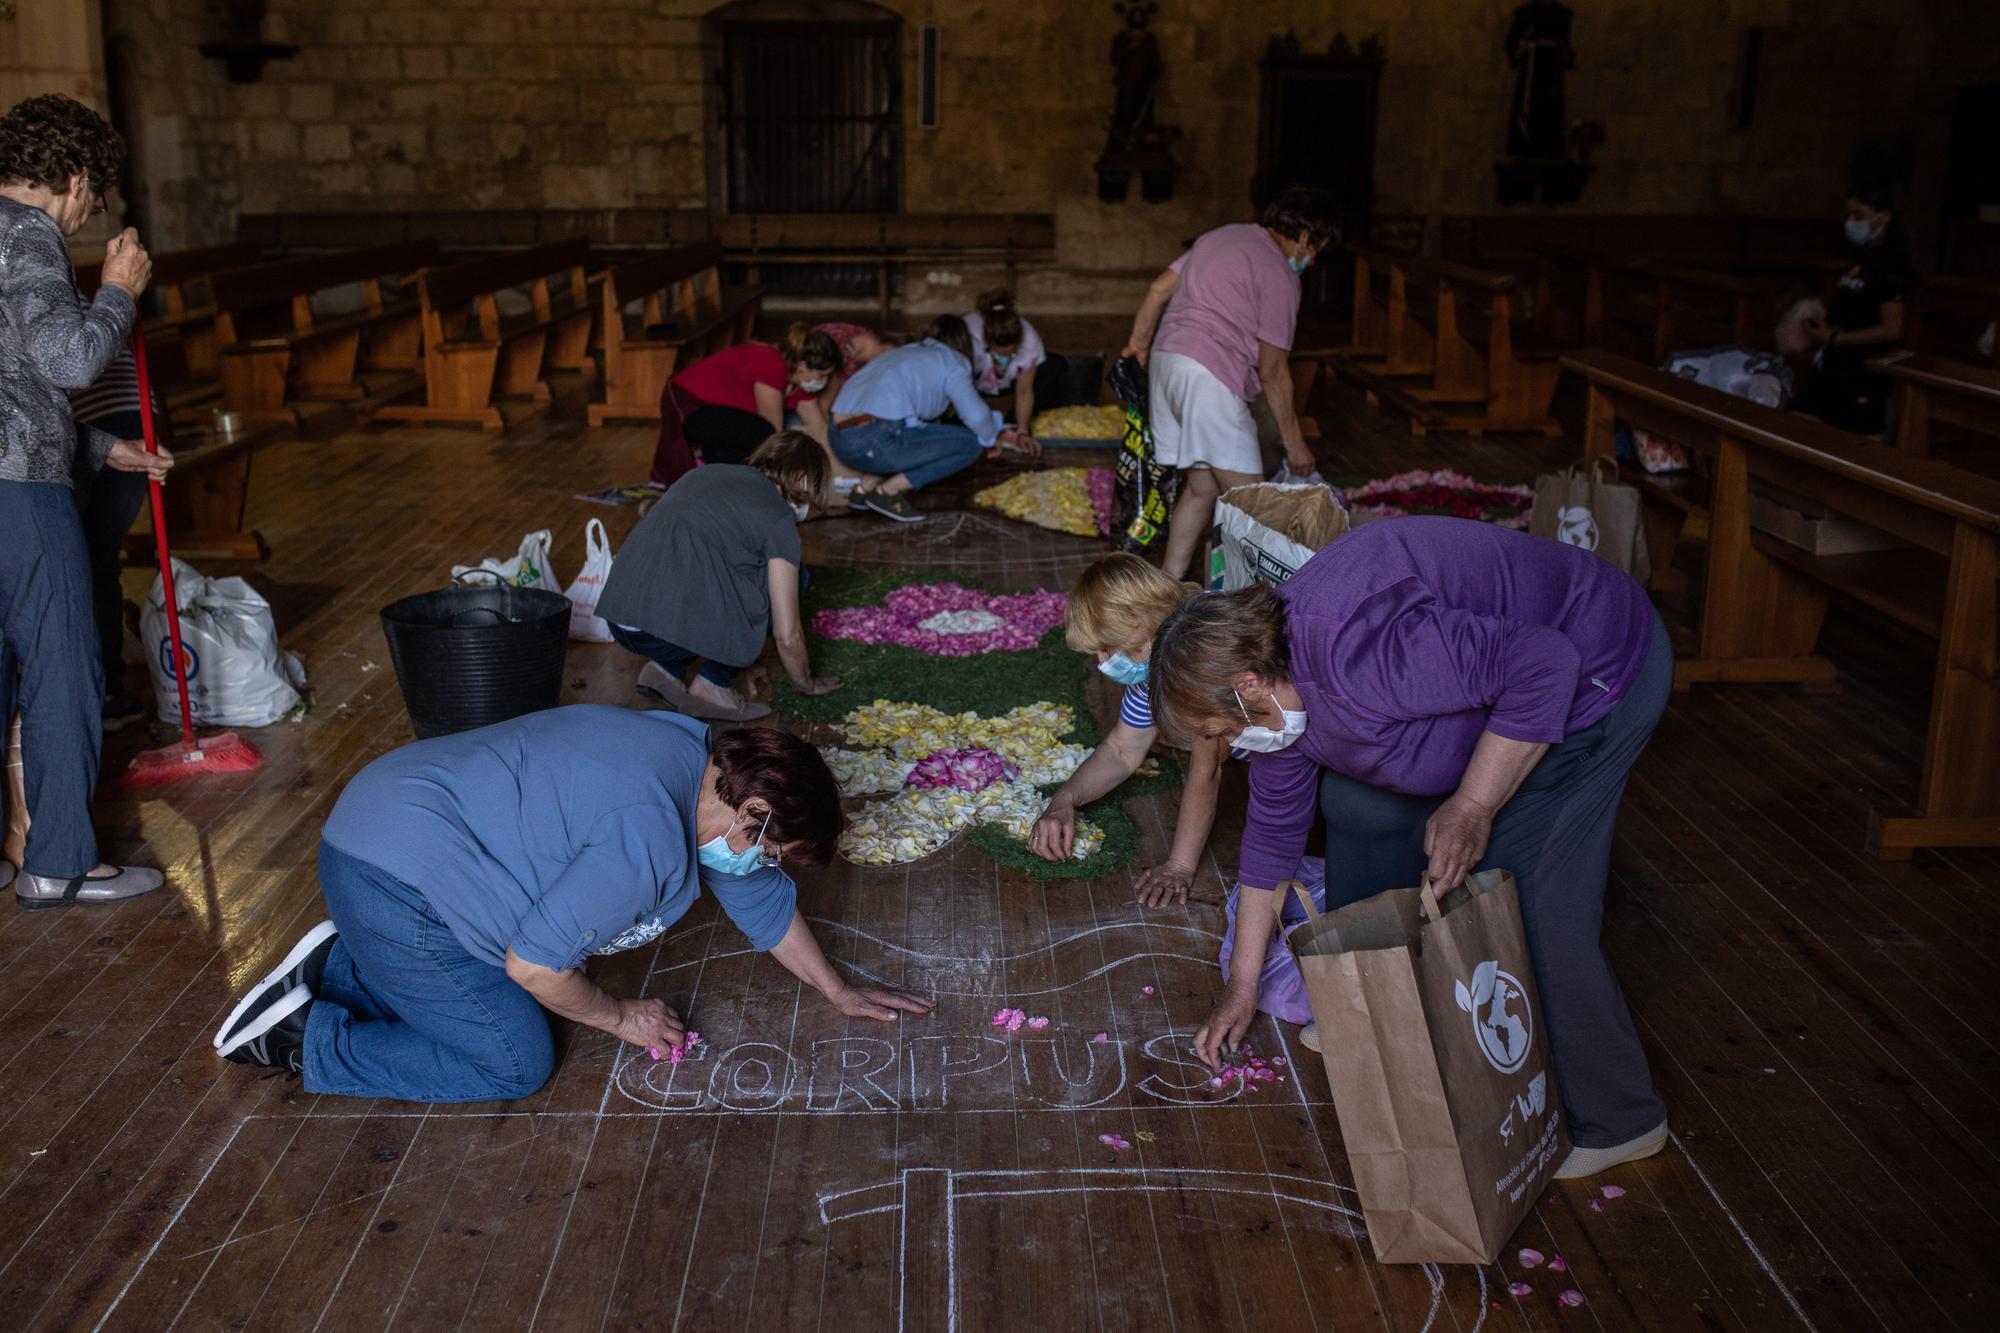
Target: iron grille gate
812 123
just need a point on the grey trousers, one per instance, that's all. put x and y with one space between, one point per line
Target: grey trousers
1555 835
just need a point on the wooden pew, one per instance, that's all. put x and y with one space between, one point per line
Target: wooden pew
180 323
1764 600
1460 357
1935 388
1644 308
1948 315
685 313
475 354
275 338
1386 339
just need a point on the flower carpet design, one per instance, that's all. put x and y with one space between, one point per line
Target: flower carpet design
948 620
1442 492
1075 500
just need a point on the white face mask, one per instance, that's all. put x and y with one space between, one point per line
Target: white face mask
812 386
800 511
1263 739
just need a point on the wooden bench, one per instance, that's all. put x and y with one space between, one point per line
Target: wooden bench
1949 314
180 327
1459 357
277 338
684 313
1764 600
474 354
890 241
1935 388
1645 308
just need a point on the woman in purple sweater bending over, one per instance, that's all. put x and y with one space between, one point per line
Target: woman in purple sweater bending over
1451 696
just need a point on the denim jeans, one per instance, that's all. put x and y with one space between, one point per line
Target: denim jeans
47 635
672 659
924 453
404 1011
1555 835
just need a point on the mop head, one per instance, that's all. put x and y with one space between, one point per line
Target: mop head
224 752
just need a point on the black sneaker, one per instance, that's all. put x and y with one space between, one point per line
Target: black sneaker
303 966
898 506
276 1039
122 710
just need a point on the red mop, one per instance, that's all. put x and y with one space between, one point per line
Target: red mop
224 752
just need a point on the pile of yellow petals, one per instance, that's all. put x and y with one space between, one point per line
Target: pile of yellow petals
1104 422
914 822
1056 498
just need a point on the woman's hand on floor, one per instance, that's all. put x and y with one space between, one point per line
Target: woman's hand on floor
131 456
1226 1026
649 1023
1164 885
881 1003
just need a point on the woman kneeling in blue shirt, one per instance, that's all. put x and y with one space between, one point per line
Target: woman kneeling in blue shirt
469 876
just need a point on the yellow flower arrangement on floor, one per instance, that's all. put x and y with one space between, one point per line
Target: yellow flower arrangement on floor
1064 499
1106 421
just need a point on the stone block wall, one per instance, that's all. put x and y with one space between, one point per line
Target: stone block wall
608 103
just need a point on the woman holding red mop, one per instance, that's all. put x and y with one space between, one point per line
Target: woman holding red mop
57 157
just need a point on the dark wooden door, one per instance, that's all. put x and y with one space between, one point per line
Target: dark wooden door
1318 128
812 122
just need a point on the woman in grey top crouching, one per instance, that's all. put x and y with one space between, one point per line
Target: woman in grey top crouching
57 157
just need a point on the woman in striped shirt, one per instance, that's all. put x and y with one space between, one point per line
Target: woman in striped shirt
1113 611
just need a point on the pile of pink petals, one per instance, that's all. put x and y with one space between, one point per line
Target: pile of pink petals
1016 1019
971 769
1102 482
1255 1072
677 1053
899 620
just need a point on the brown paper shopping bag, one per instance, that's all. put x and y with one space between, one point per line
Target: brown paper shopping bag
1587 506
1430 1028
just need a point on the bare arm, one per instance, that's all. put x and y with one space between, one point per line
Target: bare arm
1274 368
813 417
770 404
1455 837
576 997
799 953
1024 400
1169 882
1147 321
1115 759
783 579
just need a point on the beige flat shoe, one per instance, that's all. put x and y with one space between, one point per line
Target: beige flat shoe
1309 1036
1583 1162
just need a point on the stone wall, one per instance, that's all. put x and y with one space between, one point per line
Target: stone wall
604 103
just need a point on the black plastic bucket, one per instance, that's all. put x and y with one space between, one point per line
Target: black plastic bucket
470 657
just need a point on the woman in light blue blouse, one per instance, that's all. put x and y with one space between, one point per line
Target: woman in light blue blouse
470 876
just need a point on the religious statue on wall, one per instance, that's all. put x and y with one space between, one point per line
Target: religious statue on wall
1539 159
1134 141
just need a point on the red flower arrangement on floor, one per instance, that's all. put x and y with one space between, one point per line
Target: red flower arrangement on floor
1442 492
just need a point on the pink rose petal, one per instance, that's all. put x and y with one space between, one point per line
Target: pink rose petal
1215 1083
1102 1036
1015 1019
1118 1141
1556 1265
1520 1289
1530 1258
1145 990
1597 1205
1571 1298
900 618
1037 1024
1613 1192
1278 1061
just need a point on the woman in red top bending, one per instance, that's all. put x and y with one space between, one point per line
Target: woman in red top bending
723 406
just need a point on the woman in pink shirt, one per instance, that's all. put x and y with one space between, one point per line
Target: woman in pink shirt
1214 331
727 404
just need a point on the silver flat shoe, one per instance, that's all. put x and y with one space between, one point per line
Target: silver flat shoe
38 892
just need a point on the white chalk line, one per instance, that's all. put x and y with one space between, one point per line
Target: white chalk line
172 1222
1741 1234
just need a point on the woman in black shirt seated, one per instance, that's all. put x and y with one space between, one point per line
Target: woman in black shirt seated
1864 319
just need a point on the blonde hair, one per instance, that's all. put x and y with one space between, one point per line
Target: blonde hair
1117 604
795 463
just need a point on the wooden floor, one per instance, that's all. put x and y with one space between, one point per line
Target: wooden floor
1822 1026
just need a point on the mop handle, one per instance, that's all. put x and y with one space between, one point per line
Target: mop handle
160 531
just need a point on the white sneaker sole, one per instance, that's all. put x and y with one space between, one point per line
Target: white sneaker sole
311 940
297 998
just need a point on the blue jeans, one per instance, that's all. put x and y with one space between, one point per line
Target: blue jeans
1555 835
673 660
923 453
405 1012
48 634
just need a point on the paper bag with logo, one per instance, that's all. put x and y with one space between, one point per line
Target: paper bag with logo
1431 1031
1587 506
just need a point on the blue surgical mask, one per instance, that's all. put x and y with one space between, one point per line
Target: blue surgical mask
1300 265
1860 231
1123 669
717 855
1000 362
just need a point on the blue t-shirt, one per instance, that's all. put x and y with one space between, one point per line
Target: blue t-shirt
559 834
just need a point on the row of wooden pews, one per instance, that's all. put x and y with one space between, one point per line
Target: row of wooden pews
1764 600
1447 345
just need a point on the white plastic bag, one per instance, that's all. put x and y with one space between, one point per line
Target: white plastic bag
1246 549
236 674
528 569
584 622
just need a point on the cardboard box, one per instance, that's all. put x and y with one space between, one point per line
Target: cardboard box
1813 527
